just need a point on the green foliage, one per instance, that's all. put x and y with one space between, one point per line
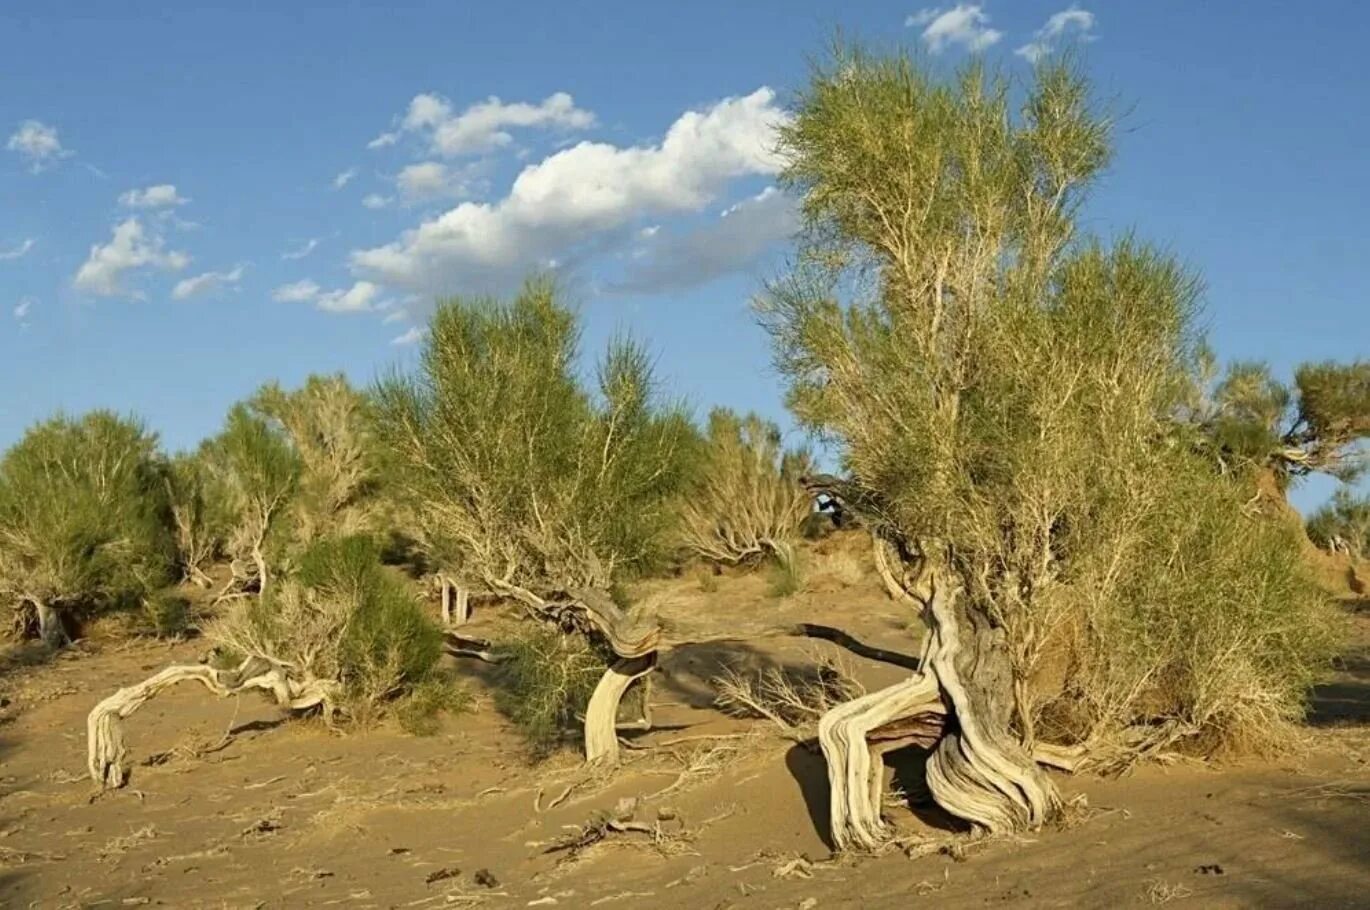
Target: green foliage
518 476
1004 394
419 712
341 617
326 424
83 516
1318 424
257 471
787 577
166 614
747 501
1343 523
201 517
546 681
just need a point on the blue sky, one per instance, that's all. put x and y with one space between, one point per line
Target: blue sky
196 199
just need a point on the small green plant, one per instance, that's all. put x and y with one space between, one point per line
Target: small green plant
546 681
166 614
419 712
786 578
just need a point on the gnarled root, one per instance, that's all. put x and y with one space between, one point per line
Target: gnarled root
855 780
105 750
601 715
961 704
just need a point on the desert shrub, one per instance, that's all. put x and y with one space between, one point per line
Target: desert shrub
201 516
786 576
257 471
83 519
747 502
341 618
1005 394
1342 524
1317 424
521 480
546 679
326 424
166 614
418 713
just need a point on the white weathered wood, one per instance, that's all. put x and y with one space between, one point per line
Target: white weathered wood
601 715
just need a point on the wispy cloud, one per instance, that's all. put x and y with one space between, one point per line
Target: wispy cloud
22 309
376 201
19 251
205 283
414 335
38 143
434 180
1073 21
964 24
308 247
484 126
344 178
359 297
130 248
163 195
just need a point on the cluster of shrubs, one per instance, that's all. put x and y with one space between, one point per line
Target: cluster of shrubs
493 464
1037 423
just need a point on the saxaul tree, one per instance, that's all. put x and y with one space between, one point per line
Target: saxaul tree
1317 424
83 515
747 501
1004 393
200 515
258 471
531 487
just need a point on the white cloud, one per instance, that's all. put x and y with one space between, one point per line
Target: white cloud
1075 20
964 24
413 336
131 247
376 201
483 126
296 292
434 180
209 281
19 251
344 178
22 308
580 199
38 143
163 195
309 246
741 236
361 296
397 315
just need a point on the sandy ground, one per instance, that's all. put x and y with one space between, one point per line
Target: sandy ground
228 807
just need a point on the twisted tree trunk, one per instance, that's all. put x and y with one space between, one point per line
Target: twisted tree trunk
960 704
601 716
105 750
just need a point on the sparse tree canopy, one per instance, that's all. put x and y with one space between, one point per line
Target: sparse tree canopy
1002 390
83 517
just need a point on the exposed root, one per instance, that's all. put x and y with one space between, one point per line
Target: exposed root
855 776
106 753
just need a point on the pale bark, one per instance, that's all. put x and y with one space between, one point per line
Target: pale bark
105 749
601 716
50 627
978 770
